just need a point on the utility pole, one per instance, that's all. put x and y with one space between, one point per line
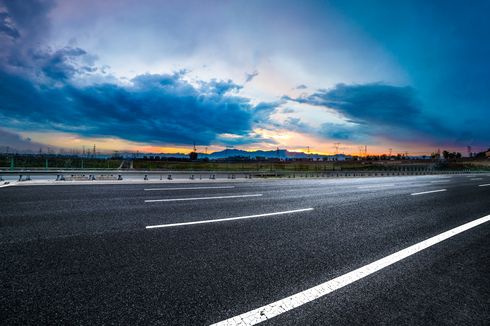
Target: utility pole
390 150
336 145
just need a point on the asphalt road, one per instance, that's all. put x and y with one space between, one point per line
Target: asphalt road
84 255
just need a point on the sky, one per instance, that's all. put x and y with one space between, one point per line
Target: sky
158 76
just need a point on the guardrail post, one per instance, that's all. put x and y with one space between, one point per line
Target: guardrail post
169 177
119 177
192 177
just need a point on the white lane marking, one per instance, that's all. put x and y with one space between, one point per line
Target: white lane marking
190 188
281 306
229 218
427 192
6 185
484 185
200 198
476 179
438 181
376 186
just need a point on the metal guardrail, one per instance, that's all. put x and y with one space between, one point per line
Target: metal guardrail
212 175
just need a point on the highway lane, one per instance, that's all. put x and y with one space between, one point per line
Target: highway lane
93 261
40 212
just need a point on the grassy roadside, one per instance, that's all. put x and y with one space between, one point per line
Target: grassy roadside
36 162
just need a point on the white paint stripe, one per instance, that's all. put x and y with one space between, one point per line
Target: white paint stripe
376 186
281 306
200 198
427 192
484 185
476 179
229 218
6 185
190 188
437 181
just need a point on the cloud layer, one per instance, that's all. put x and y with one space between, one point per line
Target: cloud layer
375 111
45 89
152 108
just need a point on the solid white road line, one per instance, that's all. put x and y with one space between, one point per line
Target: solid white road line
229 218
200 198
438 181
190 188
484 185
476 179
6 185
281 306
427 192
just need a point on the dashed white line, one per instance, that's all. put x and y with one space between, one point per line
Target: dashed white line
281 306
189 188
484 185
427 192
229 218
200 198
377 186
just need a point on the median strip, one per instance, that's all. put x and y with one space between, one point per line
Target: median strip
229 218
427 192
200 198
296 300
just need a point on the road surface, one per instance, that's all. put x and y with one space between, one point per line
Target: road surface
211 252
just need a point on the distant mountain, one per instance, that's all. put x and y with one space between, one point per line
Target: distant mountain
231 152
281 154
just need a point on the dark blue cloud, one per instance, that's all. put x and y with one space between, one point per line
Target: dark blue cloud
62 64
158 109
6 26
376 110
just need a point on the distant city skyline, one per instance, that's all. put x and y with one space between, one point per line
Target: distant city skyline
158 76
